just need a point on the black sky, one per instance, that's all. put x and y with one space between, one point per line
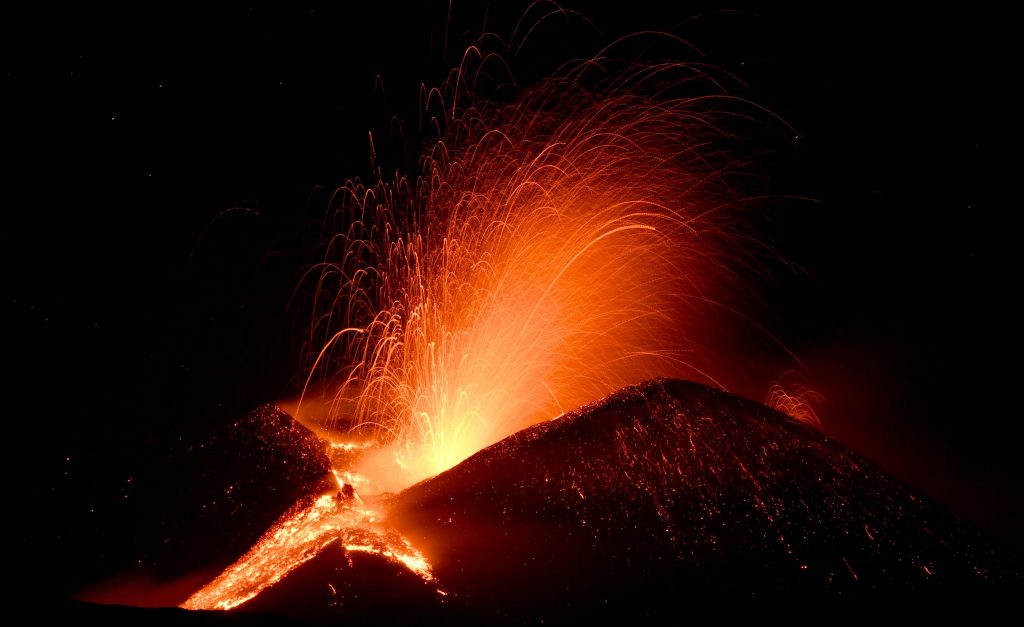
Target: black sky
162 166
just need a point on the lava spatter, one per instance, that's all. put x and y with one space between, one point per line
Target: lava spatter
553 249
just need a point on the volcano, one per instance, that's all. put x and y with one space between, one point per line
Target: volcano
663 493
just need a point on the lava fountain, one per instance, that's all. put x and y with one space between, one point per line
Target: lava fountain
552 251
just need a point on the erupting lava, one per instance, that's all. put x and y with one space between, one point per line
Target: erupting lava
552 251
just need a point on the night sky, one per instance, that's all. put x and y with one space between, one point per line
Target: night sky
164 168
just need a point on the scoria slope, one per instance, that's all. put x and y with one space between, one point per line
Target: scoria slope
670 491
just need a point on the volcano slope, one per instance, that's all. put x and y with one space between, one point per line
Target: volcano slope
669 492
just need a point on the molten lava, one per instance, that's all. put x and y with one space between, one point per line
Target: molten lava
308 528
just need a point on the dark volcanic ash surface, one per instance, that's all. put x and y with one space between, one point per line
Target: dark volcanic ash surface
669 491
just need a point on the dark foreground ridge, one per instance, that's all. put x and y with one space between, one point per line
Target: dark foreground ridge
670 491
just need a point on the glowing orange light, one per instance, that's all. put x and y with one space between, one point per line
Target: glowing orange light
552 251
299 536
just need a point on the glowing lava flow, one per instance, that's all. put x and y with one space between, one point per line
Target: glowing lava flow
300 535
552 251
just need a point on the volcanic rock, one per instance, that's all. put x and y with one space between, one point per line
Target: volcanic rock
669 492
